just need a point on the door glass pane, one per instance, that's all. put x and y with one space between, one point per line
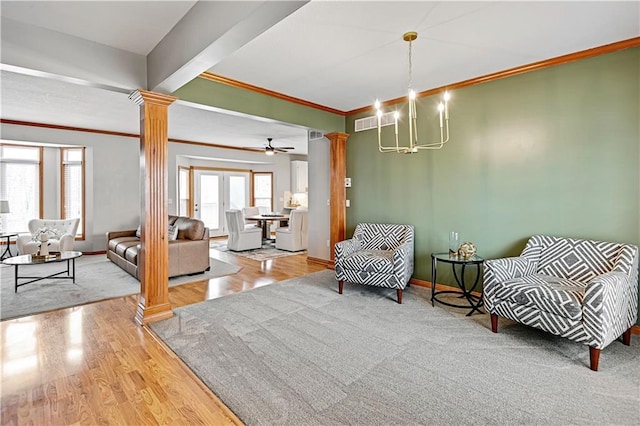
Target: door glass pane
209 196
237 192
183 192
262 192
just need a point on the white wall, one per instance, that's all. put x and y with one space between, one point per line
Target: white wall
319 194
113 176
112 179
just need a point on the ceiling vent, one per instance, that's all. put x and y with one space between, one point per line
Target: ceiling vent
315 135
372 122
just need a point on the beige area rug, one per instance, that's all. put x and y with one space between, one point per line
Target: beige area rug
97 278
267 252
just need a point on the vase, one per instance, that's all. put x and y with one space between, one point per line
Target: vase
454 243
44 244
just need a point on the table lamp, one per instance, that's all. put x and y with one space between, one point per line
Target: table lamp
4 209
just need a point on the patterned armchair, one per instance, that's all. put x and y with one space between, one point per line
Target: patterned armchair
586 291
380 255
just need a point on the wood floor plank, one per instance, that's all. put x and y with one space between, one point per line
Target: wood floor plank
93 364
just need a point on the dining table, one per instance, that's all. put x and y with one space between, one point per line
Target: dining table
263 221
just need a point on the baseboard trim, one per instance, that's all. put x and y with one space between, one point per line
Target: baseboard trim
90 253
327 263
439 287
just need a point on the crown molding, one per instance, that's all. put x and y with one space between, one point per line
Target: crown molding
535 66
239 84
121 134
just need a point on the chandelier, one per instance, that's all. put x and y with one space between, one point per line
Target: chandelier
413 146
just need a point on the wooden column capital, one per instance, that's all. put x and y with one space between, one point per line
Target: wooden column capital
153 255
141 97
338 205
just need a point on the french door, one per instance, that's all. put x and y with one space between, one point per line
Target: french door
216 191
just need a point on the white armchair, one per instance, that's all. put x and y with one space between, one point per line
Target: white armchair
62 235
295 237
250 211
241 237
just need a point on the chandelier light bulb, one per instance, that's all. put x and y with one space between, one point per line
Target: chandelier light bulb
411 119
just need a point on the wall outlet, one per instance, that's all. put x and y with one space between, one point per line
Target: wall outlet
328 202
348 203
347 182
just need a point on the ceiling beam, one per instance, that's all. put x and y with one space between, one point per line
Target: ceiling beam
207 34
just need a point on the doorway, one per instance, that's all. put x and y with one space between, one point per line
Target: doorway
215 191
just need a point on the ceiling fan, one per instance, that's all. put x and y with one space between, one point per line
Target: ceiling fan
270 149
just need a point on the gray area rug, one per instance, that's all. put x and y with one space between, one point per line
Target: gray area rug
298 353
266 252
97 278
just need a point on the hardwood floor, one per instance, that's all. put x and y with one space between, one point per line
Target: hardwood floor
93 364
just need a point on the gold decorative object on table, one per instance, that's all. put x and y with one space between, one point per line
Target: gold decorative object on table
467 250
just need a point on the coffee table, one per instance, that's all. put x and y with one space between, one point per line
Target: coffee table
27 259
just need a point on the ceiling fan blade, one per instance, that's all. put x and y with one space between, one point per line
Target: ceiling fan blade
284 147
253 148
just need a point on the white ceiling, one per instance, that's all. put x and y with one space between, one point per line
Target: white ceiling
342 55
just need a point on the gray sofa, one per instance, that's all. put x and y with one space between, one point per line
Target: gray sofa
188 253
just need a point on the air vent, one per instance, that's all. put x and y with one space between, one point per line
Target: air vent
315 135
372 122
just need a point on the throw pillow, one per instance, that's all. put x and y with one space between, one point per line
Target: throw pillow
173 232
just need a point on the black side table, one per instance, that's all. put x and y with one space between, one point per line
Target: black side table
7 250
474 302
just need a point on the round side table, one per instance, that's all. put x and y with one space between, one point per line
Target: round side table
473 301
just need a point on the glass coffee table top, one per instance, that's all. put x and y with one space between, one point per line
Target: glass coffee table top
27 259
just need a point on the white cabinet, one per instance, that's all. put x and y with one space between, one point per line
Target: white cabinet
299 176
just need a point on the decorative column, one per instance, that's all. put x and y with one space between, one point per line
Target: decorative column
338 204
153 256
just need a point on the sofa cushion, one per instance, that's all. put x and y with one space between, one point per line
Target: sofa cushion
547 293
189 229
123 246
113 243
131 254
380 261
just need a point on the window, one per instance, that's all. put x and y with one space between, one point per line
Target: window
263 191
72 186
184 191
21 177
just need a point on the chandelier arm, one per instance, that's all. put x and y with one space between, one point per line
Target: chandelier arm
414 146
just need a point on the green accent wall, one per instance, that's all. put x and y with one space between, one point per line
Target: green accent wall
219 95
552 152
